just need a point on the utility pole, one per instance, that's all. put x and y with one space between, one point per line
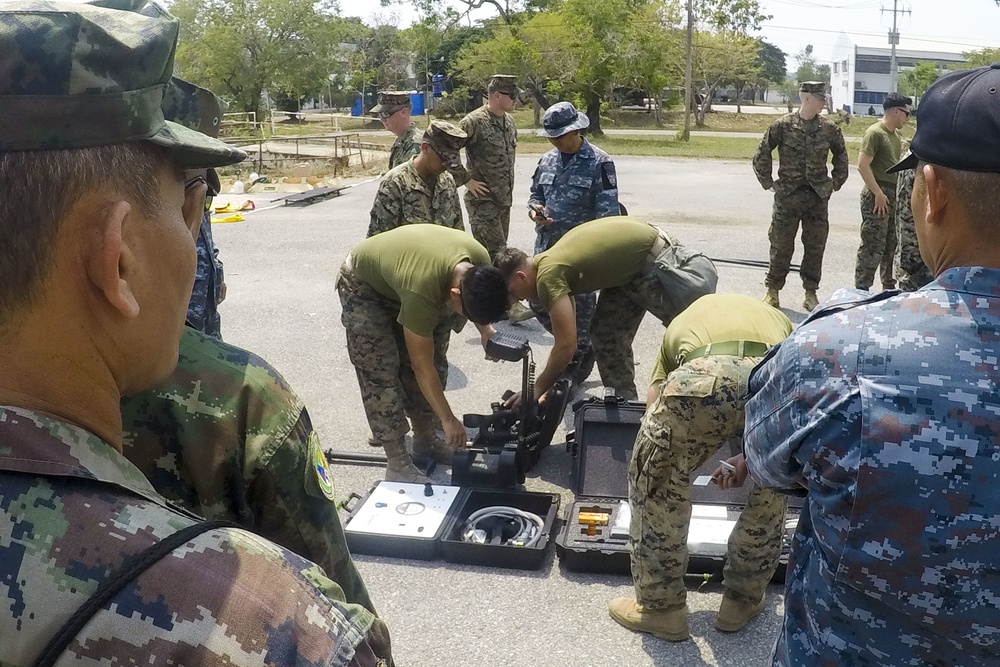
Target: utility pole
893 42
688 83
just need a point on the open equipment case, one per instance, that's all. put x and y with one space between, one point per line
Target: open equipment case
594 536
430 521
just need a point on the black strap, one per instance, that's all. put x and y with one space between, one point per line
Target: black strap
133 567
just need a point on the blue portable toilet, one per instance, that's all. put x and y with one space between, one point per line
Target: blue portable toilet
358 108
417 102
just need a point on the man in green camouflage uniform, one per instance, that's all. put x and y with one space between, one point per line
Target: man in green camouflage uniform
397 291
695 405
489 153
911 272
97 228
804 140
637 268
393 109
421 190
227 438
880 149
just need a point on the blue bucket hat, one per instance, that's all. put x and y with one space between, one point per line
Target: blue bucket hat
560 118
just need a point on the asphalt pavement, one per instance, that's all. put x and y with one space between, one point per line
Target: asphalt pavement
281 264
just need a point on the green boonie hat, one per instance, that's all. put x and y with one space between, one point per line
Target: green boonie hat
193 107
446 139
817 88
391 101
77 76
503 83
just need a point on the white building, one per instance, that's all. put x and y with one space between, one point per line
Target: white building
859 73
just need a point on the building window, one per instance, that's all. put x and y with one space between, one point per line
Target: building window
868 97
836 68
872 65
844 65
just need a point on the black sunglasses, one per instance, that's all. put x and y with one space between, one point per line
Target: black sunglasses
383 115
904 111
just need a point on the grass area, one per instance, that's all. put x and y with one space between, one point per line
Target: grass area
723 148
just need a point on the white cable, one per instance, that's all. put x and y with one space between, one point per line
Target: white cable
531 525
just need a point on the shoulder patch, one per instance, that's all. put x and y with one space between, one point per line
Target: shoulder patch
318 477
609 176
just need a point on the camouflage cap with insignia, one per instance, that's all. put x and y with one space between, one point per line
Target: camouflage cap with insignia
503 83
77 76
391 101
817 88
446 139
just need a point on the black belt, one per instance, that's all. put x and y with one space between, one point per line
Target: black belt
732 348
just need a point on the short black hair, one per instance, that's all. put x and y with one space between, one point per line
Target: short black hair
893 100
484 295
509 261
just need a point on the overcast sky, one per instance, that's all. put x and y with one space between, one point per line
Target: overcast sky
796 23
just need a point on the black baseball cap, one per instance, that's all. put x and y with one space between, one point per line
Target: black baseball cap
959 123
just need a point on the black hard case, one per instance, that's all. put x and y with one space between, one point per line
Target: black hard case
446 542
601 444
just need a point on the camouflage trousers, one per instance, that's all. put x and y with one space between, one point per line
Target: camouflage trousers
375 344
620 311
699 407
585 305
805 206
490 222
878 241
911 272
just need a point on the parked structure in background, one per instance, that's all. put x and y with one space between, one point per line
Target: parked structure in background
861 70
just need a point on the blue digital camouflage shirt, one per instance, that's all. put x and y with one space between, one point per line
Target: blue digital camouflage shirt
888 408
203 310
585 188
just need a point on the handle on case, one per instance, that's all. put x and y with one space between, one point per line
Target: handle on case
571 445
610 397
351 502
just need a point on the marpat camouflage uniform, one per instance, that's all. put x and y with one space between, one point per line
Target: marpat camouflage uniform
584 189
699 407
203 310
885 407
404 198
801 193
405 146
878 241
489 152
73 510
377 349
227 438
911 272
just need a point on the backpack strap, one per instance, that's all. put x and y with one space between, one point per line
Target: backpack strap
130 570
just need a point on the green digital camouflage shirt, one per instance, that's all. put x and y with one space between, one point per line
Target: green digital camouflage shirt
227 438
489 153
803 150
405 198
405 146
73 510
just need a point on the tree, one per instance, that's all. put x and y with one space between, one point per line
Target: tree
808 69
771 67
980 58
242 48
915 81
718 58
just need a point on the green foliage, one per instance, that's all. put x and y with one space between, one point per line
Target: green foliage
914 82
734 16
242 48
808 69
980 58
771 63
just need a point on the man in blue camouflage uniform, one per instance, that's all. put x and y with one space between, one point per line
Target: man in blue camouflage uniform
884 408
574 183
97 228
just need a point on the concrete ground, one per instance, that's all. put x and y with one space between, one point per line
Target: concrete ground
280 270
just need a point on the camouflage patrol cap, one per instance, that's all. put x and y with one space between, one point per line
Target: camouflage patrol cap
817 88
193 107
445 138
77 75
391 101
503 83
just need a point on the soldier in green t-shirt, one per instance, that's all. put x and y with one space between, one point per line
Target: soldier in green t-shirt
693 406
637 267
398 290
880 149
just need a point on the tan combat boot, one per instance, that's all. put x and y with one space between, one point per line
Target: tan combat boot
427 443
771 298
810 301
518 312
399 467
734 614
671 625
